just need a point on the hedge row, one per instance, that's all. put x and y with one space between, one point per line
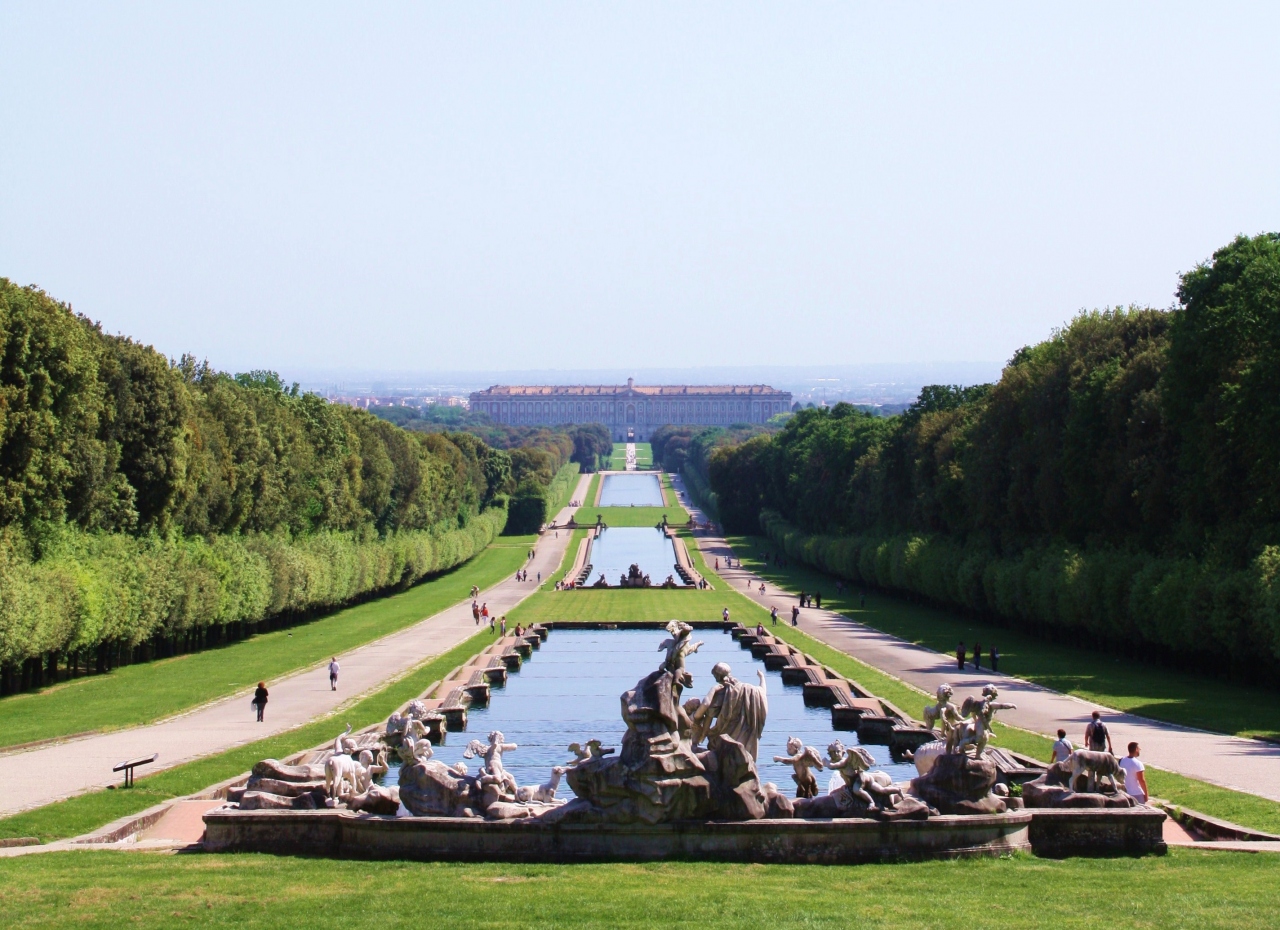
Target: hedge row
1124 598
90 590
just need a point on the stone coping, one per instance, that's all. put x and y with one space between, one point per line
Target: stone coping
343 834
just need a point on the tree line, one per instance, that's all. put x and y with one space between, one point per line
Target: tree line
1120 483
149 506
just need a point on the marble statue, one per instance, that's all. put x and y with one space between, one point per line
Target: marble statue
731 709
976 730
344 744
341 775
944 714
678 648
585 753
544 793
850 764
1096 765
802 759
493 777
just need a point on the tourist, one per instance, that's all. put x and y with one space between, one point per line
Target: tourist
1135 774
491 625
539 577
717 565
475 612
484 611
760 630
724 615
504 624
1096 736
1062 748
762 589
333 674
995 659
773 615
817 599
960 656
795 615
977 657
260 700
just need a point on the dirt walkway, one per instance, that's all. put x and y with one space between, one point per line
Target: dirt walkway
1241 764
49 773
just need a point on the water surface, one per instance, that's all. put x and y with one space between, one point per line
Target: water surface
619 547
570 692
631 491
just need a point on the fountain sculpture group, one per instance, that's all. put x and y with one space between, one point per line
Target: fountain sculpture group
679 760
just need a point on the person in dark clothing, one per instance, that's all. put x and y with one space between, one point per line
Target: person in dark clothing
977 656
1096 736
817 599
260 700
862 601
995 659
960 657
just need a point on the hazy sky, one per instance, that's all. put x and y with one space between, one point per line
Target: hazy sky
472 186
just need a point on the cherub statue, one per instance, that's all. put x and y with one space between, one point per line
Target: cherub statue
976 731
678 648
415 746
344 745
850 764
802 758
944 714
492 755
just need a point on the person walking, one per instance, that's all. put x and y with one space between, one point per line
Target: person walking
977 656
773 615
1096 736
817 599
484 611
1062 748
960 656
503 624
475 612
762 589
333 674
539 577
260 700
1135 774
491 627
995 659
795 615
724 615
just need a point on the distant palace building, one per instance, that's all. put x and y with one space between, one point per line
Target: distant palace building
631 411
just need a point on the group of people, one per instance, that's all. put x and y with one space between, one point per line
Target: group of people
1097 738
811 600
962 653
479 611
523 575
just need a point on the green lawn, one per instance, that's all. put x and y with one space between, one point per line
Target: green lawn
1125 684
85 813
112 889
592 490
143 693
644 456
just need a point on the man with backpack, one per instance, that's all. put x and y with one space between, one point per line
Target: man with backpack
1096 736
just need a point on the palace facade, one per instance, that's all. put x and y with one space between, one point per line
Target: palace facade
631 411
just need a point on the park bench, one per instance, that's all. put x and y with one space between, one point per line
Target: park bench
128 767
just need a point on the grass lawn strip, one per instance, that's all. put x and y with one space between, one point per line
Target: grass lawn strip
246 891
86 812
150 691
1123 683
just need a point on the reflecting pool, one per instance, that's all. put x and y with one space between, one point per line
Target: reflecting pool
569 693
631 491
620 547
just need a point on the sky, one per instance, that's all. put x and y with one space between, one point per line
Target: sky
537 186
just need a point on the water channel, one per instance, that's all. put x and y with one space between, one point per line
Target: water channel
569 692
634 490
619 547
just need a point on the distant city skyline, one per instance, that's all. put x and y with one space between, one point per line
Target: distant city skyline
457 187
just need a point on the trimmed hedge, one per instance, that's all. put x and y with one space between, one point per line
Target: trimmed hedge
1124 598
91 591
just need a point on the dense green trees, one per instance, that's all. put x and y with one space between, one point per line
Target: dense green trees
1120 483
144 504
